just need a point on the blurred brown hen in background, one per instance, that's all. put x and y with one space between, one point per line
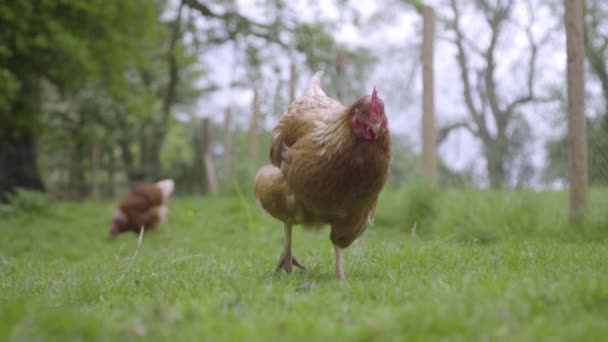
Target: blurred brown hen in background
145 206
328 166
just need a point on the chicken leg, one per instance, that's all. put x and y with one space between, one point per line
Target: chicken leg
339 263
287 260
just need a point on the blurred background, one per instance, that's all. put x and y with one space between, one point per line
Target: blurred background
97 96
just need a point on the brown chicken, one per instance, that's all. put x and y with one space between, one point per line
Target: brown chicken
328 165
145 206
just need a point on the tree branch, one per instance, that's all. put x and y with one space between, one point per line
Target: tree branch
444 132
495 18
482 93
530 94
237 24
597 62
462 60
169 97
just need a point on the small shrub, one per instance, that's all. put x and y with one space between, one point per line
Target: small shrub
595 224
389 210
421 205
487 216
28 201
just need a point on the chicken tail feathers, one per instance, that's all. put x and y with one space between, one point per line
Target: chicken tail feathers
274 195
314 88
166 186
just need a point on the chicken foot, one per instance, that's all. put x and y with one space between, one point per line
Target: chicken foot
287 261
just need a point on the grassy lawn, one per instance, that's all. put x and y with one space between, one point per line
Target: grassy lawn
480 266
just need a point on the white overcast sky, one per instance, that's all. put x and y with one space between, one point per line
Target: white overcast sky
400 31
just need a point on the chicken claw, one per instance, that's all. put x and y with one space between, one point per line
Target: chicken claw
287 263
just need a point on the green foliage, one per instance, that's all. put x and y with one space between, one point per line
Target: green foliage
208 273
405 163
596 53
66 69
557 156
119 105
177 148
321 51
245 169
473 216
84 76
420 202
417 4
319 46
9 85
29 202
598 150
597 147
61 41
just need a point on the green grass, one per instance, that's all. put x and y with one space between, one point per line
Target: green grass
482 266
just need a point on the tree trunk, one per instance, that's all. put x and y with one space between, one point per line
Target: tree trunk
254 139
495 170
577 134
143 144
429 153
293 82
151 167
227 158
18 153
151 139
76 183
111 173
133 175
495 152
18 167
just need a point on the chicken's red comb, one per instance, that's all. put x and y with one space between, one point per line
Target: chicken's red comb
375 107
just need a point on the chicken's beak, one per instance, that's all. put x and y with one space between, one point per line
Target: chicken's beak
114 231
376 128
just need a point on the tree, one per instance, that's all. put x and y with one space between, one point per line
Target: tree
59 43
494 120
117 82
128 110
345 68
169 97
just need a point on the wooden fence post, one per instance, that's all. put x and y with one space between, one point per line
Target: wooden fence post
208 159
577 132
